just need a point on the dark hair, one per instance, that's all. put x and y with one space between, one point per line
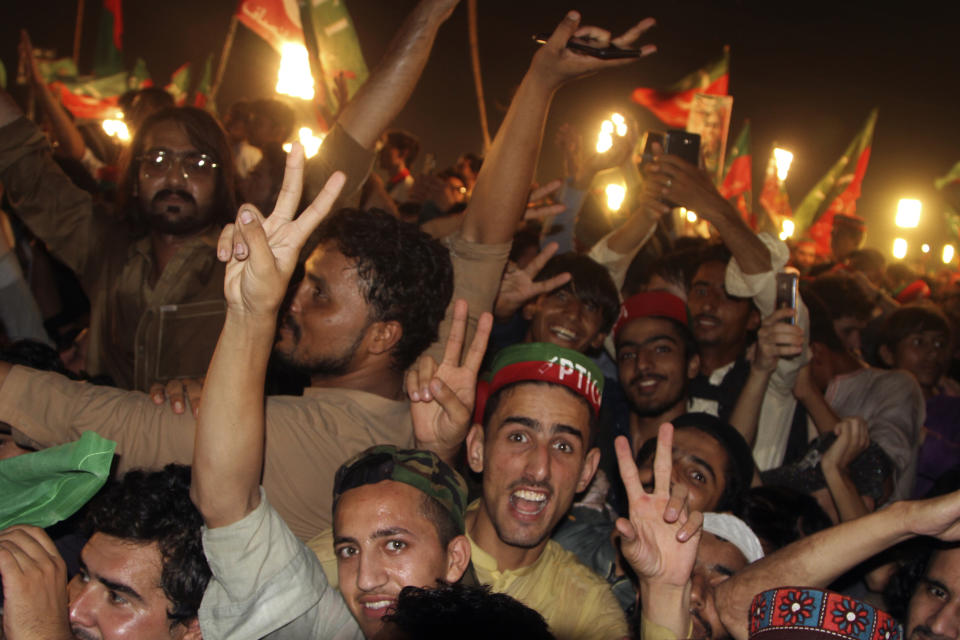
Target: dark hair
493 402
277 112
589 281
155 506
710 253
466 612
443 522
821 324
781 515
912 319
677 267
405 142
842 296
206 134
738 473
35 355
396 263
474 161
690 346
866 260
522 240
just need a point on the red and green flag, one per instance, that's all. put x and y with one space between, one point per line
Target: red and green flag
201 98
838 190
672 105
179 85
773 196
737 185
140 77
108 55
94 98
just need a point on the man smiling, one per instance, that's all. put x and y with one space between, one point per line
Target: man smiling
535 449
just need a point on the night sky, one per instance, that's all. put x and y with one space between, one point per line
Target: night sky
806 74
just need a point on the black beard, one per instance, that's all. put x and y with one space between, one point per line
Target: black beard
324 367
156 219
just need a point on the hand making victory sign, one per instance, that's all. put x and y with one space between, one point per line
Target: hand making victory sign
661 537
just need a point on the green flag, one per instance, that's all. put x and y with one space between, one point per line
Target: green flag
202 97
108 56
179 85
838 190
339 50
737 183
139 78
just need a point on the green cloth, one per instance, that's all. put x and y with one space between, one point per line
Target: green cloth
45 487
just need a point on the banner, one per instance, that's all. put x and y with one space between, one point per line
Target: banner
710 117
276 21
672 105
838 190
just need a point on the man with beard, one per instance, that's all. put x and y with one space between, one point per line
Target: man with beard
734 286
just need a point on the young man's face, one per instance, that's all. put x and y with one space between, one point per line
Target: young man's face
934 611
700 463
118 593
177 194
716 561
653 365
384 543
718 318
562 318
848 329
534 458
925 355
326 324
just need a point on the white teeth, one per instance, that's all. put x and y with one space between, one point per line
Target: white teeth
648 383
380 604
563 333
530 496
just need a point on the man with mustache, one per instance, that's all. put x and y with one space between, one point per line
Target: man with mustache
728 283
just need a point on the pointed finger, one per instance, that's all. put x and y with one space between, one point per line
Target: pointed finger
628 470
555 282
541 259
478 346
458 329
663 460
545 190
319 208
637 30
292 187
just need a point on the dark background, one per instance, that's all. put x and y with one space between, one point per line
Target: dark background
805 73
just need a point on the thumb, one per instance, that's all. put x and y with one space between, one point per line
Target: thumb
564 31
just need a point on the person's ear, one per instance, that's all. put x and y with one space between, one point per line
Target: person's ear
458 558
193 630
475 448
886 355
383 336
590 464
693 366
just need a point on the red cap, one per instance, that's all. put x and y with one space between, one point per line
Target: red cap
658 304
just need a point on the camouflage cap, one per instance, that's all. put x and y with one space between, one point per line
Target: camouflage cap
422 470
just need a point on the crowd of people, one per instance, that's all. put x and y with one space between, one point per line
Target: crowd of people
351 399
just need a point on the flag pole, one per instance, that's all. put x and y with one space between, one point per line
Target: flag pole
224 54
78 32
477 79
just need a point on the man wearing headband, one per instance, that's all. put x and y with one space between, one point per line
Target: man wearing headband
535 450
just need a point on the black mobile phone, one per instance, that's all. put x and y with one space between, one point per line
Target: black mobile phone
610 52
683 144
652 145
787 285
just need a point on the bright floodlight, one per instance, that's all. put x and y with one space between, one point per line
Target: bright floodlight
116 129
899 248
783 160
605 137
615 195
311 143
293 78
691 216
787 229
908 213
619 124
925 248
948 253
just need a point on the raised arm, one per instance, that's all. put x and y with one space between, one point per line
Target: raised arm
817 560
260 255
500 194
388 88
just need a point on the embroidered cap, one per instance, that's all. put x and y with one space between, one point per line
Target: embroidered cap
422 470
802 612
